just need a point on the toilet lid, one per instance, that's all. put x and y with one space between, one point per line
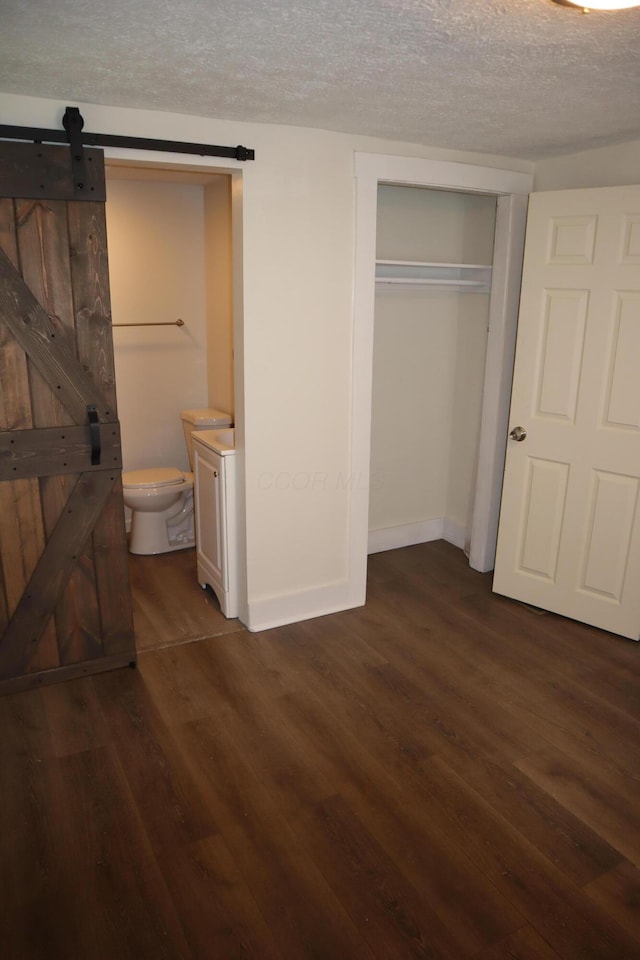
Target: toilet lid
155 477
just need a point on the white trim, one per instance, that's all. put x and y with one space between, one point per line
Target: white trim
293 607
455 533
501 346
405 535
361 381
236 170
409 534
414 171
371 169
305 605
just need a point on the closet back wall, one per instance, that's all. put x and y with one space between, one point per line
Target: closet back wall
156 240
428 368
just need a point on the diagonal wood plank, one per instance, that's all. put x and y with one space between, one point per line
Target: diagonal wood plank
57 359
42 231
34 330
92 305
23 531
52 571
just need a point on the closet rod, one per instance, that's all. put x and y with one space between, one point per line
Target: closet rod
153 323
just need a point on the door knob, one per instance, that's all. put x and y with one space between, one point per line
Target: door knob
518 433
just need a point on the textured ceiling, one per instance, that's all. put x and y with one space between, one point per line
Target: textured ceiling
522 78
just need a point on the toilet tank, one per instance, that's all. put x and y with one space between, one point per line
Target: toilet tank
204 418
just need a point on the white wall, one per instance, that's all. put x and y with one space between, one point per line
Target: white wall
477 228
218 269
466 403
615 166
155 236
414 362
293 376
429 356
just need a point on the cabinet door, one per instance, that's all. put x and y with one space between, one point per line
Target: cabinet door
210 513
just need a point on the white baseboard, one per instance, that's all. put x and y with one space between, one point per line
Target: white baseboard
454 533
391 538
278 611
304 605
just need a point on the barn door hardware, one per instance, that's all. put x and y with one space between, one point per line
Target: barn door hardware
94 434
73 124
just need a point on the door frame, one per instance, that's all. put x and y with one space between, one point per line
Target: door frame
177 163
511 189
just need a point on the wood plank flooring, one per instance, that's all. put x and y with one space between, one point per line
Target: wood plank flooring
440 774
169 605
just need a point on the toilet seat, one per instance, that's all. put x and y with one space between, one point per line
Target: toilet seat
153 477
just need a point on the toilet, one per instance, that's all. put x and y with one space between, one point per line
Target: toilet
161 498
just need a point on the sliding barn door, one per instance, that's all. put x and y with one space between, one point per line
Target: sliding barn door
65 606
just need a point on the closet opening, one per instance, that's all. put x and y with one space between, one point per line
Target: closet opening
450 481
172 258
434 253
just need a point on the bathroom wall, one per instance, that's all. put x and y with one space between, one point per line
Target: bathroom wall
219 304
429 351
155 233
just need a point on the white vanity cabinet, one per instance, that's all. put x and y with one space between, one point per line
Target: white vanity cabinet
215 515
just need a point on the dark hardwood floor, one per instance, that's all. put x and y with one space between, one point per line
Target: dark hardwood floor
169 605
440 774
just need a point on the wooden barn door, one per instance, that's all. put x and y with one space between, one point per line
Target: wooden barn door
65 605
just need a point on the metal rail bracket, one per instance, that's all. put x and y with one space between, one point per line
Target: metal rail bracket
73 125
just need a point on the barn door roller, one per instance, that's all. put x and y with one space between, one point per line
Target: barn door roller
73 124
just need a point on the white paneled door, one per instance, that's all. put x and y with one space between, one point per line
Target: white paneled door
569 534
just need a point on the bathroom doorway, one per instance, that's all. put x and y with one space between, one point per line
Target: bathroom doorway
169 606
171 276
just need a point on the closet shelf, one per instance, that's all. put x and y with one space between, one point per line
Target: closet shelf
473 277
